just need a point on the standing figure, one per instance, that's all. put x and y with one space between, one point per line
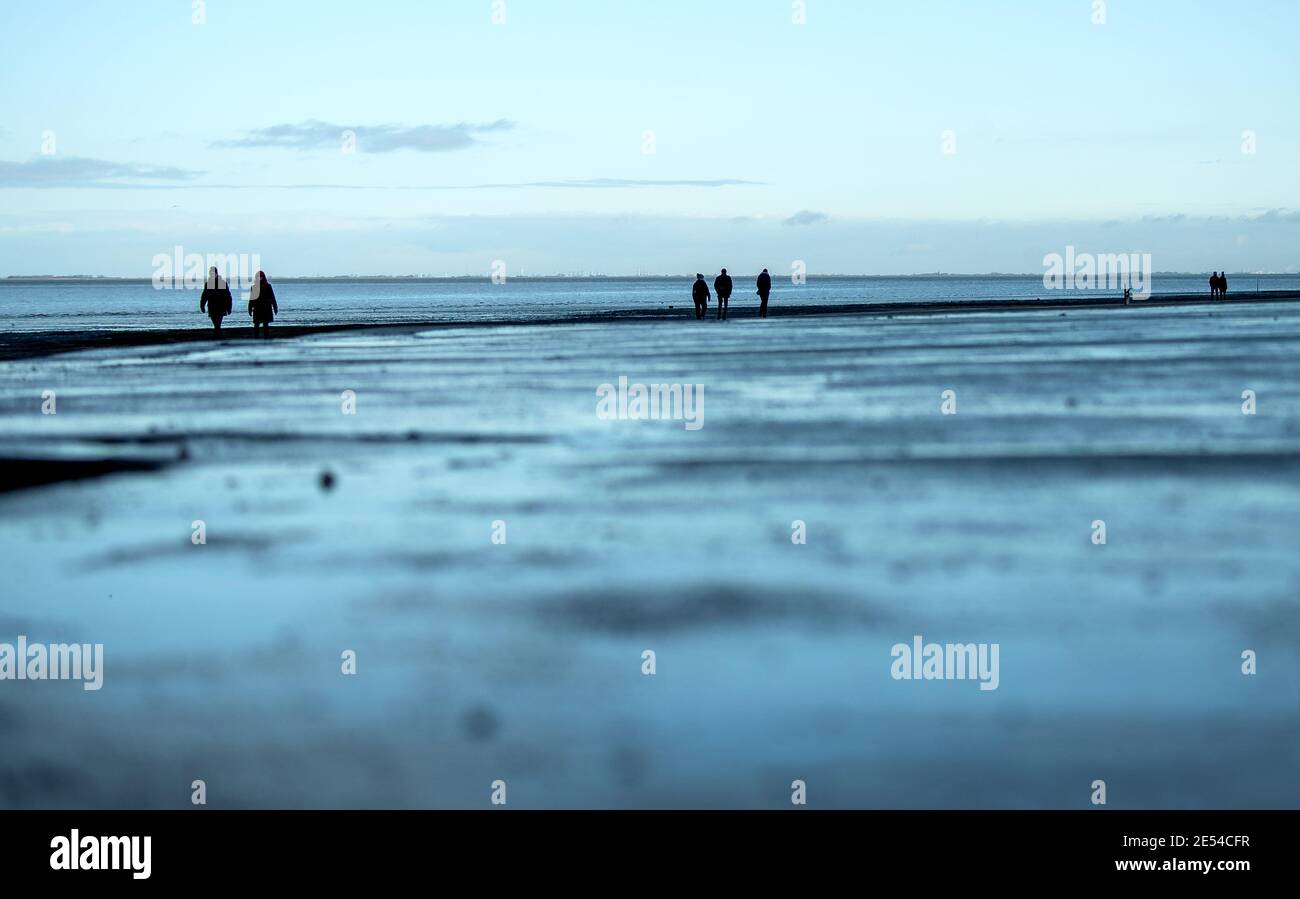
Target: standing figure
764 290
216 300
700 293
261 305
722 287
1223 286
1214 286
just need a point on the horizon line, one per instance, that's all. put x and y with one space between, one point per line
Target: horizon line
615 277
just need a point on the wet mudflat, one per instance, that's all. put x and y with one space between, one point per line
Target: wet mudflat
480 661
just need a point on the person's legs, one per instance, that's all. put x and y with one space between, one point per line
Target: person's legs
762 307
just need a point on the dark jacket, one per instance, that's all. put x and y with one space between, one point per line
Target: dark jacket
700 292
216 300
765 284
722 286
261 303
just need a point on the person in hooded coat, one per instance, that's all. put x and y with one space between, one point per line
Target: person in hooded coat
700 294
216 300
722 287
261 305
764 290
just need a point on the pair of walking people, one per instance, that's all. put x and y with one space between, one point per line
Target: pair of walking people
700 294
218 302
722 286
1219 286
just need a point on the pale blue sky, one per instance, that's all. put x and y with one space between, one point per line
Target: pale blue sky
1065 131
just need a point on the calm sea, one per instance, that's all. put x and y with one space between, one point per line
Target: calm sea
29 306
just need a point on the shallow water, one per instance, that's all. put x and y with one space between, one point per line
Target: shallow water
54 305
522 661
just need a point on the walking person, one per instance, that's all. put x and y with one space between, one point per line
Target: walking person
722 287
216 300
700 293
261 305
764 290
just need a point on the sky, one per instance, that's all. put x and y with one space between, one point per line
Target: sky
630 136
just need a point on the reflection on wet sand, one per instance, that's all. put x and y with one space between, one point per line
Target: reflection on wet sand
521 660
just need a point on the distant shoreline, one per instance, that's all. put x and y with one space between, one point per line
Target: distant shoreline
469 279
19 345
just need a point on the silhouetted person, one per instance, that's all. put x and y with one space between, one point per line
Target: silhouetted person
722 287
262 305
764 290
700 293
1214 286
1223 286
216 300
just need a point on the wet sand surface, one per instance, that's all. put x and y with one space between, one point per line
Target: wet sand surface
523 662
25 344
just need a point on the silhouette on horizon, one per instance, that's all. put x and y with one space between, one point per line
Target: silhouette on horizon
700 294
764 290
722 287
1219 286
261 305
216 300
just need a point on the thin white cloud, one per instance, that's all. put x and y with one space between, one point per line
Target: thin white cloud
806 217
317 135
573 184
77 171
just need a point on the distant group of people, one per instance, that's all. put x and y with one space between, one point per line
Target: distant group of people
722 287
1219 286
218 302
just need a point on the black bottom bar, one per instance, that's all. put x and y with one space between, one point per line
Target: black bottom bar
214 848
